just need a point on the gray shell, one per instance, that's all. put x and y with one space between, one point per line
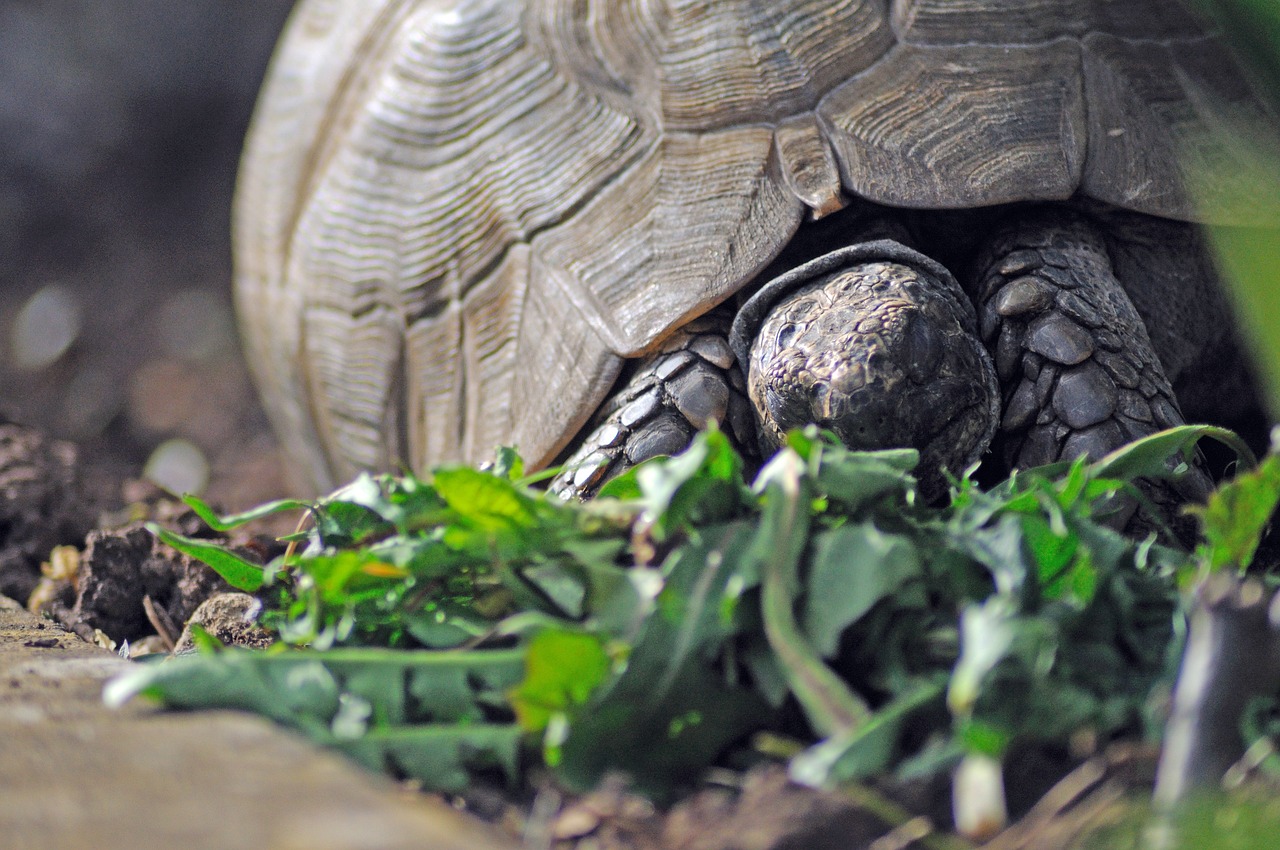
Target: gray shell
456 219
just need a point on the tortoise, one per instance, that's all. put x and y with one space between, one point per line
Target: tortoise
587 227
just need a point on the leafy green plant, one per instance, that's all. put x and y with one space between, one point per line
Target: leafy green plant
465 624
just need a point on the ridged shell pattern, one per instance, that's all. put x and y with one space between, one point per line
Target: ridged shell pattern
455 219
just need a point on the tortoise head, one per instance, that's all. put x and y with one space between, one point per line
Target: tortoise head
878 344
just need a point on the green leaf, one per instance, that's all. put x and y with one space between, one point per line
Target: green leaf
858 478
508 464
672 709
443 757
983 738
227 523
485 499
1237 513
340 523
350 571
625 487
562 670
565 588
830 706
1050 548
701 484
295 691
1149 457
854 567
867 749
238 572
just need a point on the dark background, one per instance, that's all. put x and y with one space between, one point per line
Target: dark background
121 123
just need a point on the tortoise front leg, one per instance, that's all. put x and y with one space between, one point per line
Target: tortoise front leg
1079 374
673 394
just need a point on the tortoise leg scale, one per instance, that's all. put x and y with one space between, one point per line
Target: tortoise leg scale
1078 371
691 381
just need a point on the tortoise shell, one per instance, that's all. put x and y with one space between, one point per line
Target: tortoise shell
456 218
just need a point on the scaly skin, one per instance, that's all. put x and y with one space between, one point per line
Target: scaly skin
1079 374
880 344
691 381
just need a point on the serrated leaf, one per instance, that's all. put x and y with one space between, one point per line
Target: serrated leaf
858 478
1237 513
442 757
830 706
670 710
624 487
865 750
340 523
508 464
1148 457
702 484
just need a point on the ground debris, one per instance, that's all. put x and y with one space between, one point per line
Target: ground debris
47 499
131 585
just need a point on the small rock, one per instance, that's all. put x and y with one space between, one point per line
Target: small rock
231 618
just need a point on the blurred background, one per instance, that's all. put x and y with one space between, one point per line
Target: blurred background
121 123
